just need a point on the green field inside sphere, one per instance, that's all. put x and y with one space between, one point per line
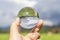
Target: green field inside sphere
27 11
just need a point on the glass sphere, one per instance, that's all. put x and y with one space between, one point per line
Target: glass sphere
28 17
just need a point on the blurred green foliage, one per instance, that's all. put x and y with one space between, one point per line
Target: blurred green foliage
44 36
50 33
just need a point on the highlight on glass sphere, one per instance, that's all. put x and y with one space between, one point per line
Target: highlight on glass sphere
28 17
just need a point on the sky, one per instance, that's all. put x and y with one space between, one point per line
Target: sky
49 10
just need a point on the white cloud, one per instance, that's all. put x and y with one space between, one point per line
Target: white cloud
25 2
0 11
48 23
6 18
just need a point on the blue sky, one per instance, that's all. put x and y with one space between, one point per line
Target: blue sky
49 10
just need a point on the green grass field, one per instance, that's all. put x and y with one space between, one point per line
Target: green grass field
44 36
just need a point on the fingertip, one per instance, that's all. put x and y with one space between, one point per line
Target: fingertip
18 19
40 21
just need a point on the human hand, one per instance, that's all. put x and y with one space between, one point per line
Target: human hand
16 35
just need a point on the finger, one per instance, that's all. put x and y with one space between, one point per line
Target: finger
18 24
17 21
34 36
15 26
38 26
15 30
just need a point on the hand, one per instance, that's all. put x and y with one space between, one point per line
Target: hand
15 31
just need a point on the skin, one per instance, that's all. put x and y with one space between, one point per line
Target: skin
15 31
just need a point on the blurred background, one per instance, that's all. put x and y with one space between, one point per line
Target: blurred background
49 11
